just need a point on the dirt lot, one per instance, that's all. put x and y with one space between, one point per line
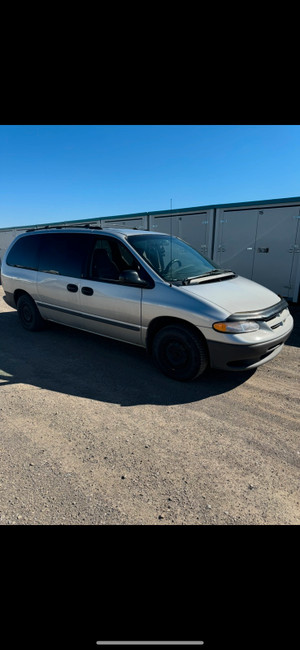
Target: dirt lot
92 433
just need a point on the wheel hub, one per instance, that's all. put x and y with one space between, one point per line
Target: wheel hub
176 354
27 315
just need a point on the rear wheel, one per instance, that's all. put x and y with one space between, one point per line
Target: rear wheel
28 314
179 353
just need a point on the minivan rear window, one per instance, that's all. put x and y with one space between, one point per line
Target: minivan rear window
58 253
24 253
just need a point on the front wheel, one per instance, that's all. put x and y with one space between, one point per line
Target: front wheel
28 314
179 353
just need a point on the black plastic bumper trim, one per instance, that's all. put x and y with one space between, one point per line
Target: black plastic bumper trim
228 356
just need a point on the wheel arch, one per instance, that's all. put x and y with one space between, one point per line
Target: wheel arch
20 292
163 321
28 311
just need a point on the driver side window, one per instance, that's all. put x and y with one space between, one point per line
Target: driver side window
103 266
109 258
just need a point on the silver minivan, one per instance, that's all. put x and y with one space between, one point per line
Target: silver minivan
149 289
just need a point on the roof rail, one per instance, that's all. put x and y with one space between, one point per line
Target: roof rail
59 227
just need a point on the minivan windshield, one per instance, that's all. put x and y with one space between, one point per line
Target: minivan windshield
172 258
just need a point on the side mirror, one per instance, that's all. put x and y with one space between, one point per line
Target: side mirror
129 276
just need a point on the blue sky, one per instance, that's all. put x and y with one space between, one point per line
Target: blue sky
53 173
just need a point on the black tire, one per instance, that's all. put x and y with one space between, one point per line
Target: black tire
179 353
29 315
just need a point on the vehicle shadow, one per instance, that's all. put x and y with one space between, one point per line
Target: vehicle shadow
77 363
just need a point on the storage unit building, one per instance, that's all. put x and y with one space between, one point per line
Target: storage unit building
139 221
259 240
194 225
261 243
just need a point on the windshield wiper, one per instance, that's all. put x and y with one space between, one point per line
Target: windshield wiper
205 275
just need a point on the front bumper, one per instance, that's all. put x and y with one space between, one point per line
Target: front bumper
229 356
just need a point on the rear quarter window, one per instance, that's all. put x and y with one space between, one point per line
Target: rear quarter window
24 253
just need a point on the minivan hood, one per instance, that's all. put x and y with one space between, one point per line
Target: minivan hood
234 294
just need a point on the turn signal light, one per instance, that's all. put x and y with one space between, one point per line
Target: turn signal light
236 327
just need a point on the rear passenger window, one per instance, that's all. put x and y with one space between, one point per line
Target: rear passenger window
64 254
24 253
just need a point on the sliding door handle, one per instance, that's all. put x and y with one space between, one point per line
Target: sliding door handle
87 291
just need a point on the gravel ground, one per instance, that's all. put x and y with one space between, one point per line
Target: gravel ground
93 434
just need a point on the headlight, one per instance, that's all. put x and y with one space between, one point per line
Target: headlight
236 327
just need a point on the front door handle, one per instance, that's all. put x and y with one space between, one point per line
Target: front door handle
72 287
87 291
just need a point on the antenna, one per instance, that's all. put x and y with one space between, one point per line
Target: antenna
171 233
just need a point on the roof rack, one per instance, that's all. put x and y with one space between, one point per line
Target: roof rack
49 227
